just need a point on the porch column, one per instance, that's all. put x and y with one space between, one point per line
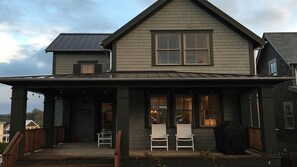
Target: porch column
122 119
66 118
267 116
49 119
18 114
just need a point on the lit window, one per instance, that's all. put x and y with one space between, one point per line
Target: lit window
158 109
209 110
183 109
87 68
272 67
289 115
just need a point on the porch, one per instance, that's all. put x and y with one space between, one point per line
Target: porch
88 152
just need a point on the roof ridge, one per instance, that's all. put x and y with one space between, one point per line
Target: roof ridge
83 33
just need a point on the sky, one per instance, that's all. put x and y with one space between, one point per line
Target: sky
28 27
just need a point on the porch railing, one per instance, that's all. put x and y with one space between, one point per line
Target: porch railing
117 152
11 153
34 139
255 138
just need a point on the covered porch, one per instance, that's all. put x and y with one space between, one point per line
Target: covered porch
80 153
130 93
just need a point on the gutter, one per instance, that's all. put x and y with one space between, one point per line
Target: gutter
110 57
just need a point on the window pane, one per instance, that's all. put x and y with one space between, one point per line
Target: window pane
158 109
163 57
178 103
190 41
174 57
201 40
209 110
290 122
202 57
191 57
162 41
173 42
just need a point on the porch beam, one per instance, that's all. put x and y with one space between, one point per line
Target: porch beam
267 117
122 118
18 114
49 119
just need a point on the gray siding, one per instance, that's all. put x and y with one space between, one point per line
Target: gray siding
230 50
64 60
280 92
59 112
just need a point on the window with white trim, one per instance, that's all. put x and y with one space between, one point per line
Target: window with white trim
272 67
289 115
182 48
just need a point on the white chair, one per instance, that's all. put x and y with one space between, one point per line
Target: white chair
184 134
104 138
158 136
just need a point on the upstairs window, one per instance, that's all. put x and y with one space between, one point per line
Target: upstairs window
168 49
196 48
289 115
182 48
87 68
272 67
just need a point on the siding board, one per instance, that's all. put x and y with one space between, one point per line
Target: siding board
229 48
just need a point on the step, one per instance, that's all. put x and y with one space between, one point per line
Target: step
66 163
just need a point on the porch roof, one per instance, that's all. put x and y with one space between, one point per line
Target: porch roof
149 76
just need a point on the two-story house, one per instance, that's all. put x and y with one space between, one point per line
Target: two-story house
179 61
279 57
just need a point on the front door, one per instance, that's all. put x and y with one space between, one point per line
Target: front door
106 116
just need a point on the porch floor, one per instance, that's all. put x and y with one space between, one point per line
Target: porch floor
85 150
68 151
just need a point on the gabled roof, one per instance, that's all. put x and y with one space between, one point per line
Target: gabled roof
285 43
204 4
28 122
77 42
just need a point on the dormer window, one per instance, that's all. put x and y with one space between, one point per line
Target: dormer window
272 67
87 67
182 48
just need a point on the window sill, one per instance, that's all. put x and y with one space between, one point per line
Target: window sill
182 65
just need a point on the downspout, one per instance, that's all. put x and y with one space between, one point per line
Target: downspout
110 57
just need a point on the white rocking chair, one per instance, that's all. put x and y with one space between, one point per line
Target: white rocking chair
184 134
159 135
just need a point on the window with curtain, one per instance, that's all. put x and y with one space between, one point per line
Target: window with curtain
196 48
168 50
158 109
183 110
87 68
209 110
182 48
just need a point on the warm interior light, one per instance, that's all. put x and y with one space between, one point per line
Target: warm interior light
210 122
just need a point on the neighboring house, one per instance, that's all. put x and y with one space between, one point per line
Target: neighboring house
279 57
5 128
179 61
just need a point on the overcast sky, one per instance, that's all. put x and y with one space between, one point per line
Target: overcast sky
27 27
